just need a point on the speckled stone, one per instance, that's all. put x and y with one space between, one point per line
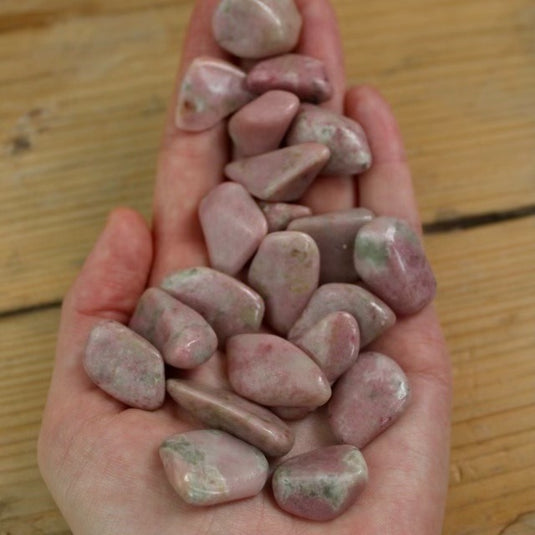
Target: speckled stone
281 175
333 343
389 257
183 336
372 315
209 467
233 226
228 305
335 233
345 138
271 371
257 28
125 365
211 89
321 484
304 76
287 288
368 399
279 214
220 409
260 126
292 413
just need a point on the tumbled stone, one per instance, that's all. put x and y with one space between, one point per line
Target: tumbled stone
292 413
389 257
125 365
183 336
228 305
372 315
209 467
287 288
221 409
257 28
273 372
345 138
367 399
333 343
260 126
321 484
233 226
280 175
211 90
304 76
335 233
279 214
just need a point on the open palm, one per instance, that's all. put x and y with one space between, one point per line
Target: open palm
100 459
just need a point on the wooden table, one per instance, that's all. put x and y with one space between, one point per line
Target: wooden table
83 89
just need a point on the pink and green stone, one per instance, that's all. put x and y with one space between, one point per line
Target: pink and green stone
279 214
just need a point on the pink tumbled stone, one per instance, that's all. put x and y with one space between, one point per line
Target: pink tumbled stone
125 365
285 272
335 233
279 214
333 343
367 399
281 175
345 138
389 257
304 76
372 315
209 467
183 336
321 484
211 90
273 372
292 413
261 125
257 28
228 305
233 226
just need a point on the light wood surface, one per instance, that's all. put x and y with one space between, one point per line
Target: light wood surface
83 89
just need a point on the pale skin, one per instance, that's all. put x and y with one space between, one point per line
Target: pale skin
100 459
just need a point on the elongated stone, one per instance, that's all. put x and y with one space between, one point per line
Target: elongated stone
273 372
286 289
292 413
233 226
260 126
211 90
228 305
279 214
221 409
281 175
209 467
335 234
321 484
345 138
389 257
304 76
257 28
183 336
333 343
368 399
125 365
372 315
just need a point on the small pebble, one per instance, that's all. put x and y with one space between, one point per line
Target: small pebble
125 365
368 399
209 467
287 288
389 257
321 484
257 28
183 336
279 214
233 227
292 413
302 75
221 409
280 175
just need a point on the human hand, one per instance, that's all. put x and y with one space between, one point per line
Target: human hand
100 459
